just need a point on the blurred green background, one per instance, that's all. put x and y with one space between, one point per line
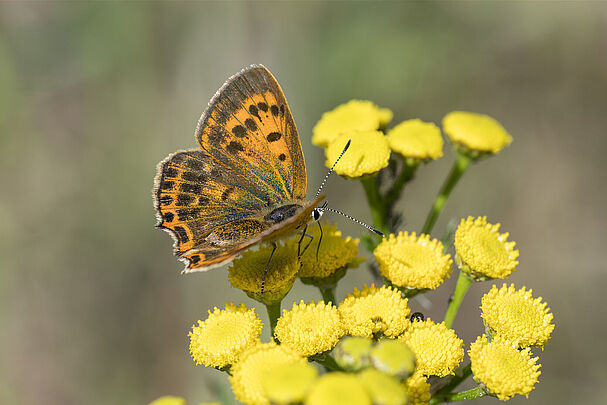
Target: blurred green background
94 94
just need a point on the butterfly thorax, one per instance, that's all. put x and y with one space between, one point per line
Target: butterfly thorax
282 213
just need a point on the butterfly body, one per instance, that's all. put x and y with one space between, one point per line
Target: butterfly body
247 182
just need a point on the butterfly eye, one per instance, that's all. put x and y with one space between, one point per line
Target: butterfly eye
316 214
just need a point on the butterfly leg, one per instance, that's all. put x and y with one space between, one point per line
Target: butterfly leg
319 240
265 272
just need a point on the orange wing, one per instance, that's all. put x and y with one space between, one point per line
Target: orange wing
248 127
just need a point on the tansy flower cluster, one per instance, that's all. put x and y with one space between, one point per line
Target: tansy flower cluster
372 345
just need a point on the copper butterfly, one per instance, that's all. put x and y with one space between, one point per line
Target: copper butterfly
247 182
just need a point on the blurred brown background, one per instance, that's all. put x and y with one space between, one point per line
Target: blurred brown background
93 95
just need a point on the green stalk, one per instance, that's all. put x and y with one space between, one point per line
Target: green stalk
376 203
461 164
328 293
460 375
461 288
405 175
273 313
473 393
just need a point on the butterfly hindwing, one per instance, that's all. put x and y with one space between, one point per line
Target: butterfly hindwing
195 198
248 127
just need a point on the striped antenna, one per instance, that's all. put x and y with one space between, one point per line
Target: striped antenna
332 167
325 208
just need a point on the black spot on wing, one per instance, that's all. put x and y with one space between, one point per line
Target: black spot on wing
188 214
194 177
190 188
181 234
273 136
262 106
168 216
251 125
282 157
239 131
184 200
194 259
226 193
274 110
254 111
167 185
235 147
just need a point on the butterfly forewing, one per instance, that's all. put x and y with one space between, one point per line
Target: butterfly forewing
248 127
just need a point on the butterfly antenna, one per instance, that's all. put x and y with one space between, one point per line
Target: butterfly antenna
332 167
380 233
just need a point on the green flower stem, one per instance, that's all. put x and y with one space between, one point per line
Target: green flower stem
405 175
473 393
328 294
461 164
376 203
461 288
328 362
460 375
273 314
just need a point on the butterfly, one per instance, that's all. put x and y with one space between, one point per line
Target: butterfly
246 183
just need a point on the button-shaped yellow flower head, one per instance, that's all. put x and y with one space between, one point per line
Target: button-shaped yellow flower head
408 260
476 132
368 153
219 340
416 139
355 115
249 371
335 252
338 389
310 328
505 370
418 389
393 357
437 348
352 353
372 311
482 252
246 273
516 316
289 383
383 388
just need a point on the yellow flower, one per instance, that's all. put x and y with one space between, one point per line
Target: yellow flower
382 388
246 272
248 372
309 328
335 252
352 353
476 132
219 340
338 389
374 310
503 369
413 261
437 348
368 153
418 389
516 316
393 357
355 115
416 139
168 400
482 251
289 383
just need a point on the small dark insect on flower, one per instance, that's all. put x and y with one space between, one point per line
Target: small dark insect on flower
417 316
